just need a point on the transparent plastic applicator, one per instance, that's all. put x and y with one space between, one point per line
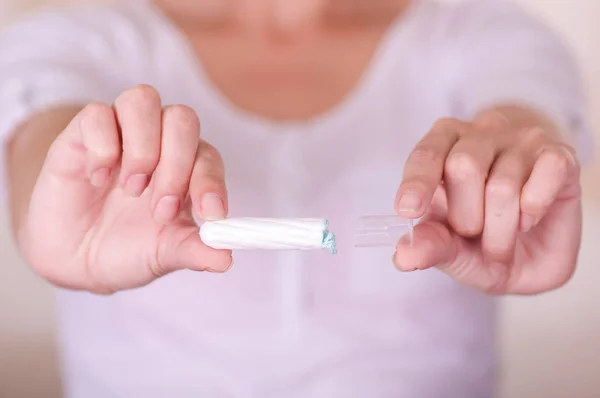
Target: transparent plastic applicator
375 231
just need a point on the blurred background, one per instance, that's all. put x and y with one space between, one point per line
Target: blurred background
550 344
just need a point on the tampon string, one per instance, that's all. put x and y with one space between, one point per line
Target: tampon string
374 231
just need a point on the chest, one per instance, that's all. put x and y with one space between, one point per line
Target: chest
344 160
293 78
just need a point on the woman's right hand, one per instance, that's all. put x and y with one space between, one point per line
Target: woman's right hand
112 206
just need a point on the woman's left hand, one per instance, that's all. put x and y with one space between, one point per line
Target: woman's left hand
501 206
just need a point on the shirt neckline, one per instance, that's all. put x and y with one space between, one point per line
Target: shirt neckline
216 102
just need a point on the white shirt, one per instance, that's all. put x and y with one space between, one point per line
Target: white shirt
288 324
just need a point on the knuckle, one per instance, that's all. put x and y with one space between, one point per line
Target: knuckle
176 184
559 159
99 131
139 158
498 247
182 114
535 205
446 124
95 118
140 94
502 188
210 154
492 120
462 166
182 121
425 153
97 111
466 228
532 135
139 154
208 183
110 152
497 250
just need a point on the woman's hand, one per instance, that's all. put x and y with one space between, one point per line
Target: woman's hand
111 207
501 206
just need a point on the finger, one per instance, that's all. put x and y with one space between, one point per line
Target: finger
181 248
466 170
424 168
502 208
437 245
553 192
139 115
99 135
180 137
554 172
207 186
430 241
433 244
79 160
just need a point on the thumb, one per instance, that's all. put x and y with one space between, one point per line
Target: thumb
436 245
433 245
181 248
433 242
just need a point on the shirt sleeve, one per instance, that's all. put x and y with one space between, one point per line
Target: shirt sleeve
54 58
509 57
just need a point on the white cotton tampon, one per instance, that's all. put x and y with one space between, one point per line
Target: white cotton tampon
268 234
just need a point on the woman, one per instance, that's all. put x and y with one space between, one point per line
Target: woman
317 108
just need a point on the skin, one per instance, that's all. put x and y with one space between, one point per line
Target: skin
507 218
102 194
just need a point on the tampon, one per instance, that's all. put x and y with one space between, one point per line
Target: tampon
268 234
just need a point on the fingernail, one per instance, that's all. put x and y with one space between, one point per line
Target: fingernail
410 201
212 207
100 177
166 209
136 184
211 270
527 222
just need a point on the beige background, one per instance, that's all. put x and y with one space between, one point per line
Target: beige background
550 343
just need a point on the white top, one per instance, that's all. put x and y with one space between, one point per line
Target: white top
293 324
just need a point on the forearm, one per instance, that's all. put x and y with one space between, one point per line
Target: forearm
26 152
